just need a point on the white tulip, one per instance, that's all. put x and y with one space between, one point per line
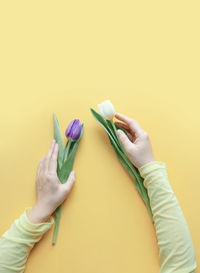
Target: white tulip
106 109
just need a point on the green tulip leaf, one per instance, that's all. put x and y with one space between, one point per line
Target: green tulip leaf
102 122
111 129
63 174
68 163
58 138
134 174
119 127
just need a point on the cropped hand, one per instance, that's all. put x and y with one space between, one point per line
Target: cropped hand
50 192
137 144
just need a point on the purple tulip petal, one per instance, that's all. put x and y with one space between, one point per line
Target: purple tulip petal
68 130
76 130
73 130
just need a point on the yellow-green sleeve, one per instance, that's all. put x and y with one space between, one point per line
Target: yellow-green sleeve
17 242
176 252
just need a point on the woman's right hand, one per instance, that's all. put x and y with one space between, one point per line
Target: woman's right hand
50 192
137 145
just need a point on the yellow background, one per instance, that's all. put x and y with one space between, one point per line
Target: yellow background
68 56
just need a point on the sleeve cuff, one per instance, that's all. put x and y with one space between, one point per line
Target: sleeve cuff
151 166
24 232
40 227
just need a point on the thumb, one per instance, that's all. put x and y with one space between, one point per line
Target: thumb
124 140
69 183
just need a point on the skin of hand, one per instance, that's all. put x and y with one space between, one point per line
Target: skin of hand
137 144
50 192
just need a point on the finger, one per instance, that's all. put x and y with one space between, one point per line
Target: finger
131 135
48 155
69 183
40 166
124 140
123 125
133 125
53 160
126 129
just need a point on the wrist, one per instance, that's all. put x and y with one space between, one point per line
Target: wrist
39 214
145 168
146 162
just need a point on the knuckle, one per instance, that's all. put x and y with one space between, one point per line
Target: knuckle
122 135
145 135
67 190
41 174
122 138
70 182
129 149
48 177
132 122
64 188
54 157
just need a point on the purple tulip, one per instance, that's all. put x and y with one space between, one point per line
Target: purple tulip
73 130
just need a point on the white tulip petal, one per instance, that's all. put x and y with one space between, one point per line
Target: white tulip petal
106 109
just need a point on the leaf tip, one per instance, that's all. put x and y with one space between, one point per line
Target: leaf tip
54 116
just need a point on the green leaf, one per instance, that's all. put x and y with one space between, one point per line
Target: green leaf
133 171
113 130
119 127
110 128
124 163
102 122
63 174
122 151
109 131
99 118
58 215
68 163
67 149
107 125
138 179
58 138
71 146
123 154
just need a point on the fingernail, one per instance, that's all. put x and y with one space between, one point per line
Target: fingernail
119 132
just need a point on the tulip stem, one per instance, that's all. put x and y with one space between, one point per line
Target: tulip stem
135 175
58 214
66 150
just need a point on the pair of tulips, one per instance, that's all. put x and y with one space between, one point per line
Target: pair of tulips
74 133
